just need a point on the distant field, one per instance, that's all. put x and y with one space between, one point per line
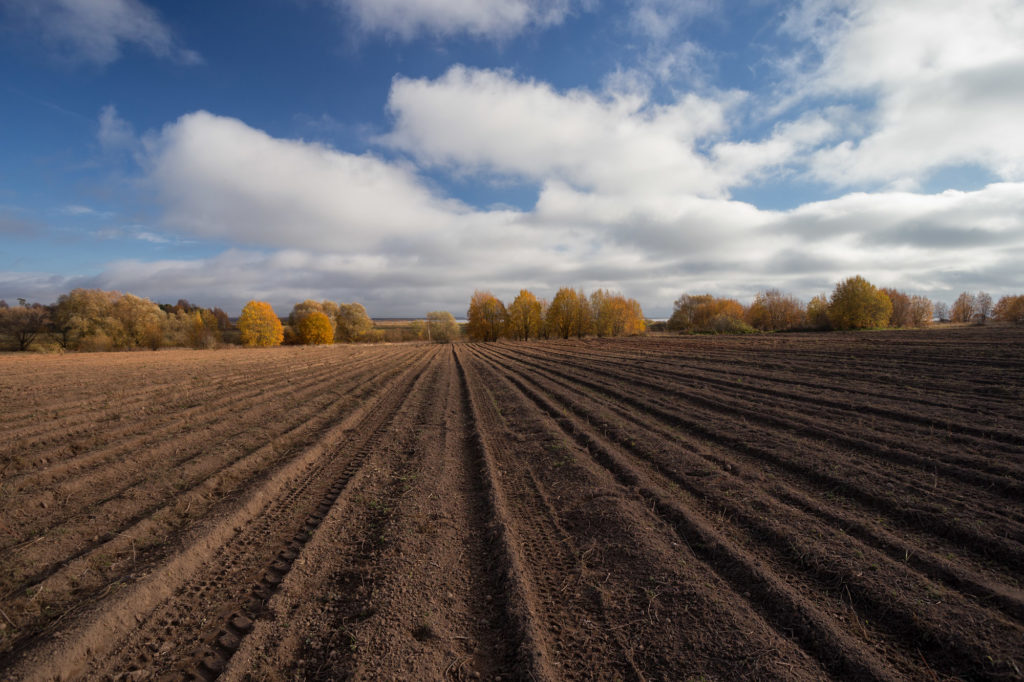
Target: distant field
791 506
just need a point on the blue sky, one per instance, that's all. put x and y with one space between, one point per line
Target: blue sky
403 153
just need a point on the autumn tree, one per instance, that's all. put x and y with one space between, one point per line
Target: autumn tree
81 319
137 322
353 323
772 310
583 320
941 309
696 313
23 323
858 304
900 315
487 317
315 329
613 314
817 312
920 311
524 318
561 318
1009 309
964 308
259 325
441 326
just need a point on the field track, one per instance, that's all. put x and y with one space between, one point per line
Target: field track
826 506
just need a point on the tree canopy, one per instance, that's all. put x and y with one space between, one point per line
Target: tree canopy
857 304
260 325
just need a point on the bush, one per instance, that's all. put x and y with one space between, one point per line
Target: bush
315 329
728 324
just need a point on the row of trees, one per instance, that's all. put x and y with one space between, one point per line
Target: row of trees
92 319
325 322
570 313
855 303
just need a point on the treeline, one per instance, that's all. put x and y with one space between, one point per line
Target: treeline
570 313
855 303
97 320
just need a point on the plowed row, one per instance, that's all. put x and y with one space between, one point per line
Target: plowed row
775 507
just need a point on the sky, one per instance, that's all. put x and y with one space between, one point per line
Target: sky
403 153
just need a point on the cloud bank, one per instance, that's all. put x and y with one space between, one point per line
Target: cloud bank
633 192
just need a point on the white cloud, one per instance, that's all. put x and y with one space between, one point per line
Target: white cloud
480 18
97 30
475 120
946 78
659 19
221 179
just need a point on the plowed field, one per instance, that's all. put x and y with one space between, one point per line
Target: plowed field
776 507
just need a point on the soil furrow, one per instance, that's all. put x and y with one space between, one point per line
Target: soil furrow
661 605
797 455
301 483
1004 480
775 533
148 534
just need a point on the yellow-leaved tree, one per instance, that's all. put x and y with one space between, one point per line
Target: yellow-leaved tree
524 316
259 325
817 312
315 329
857 304
487 317
563 316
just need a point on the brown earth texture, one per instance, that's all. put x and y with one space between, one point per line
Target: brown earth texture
773 507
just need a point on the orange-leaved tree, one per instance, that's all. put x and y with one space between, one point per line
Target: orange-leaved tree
487 317
259 325
612 314
1010 309
315 329
857 304
524 316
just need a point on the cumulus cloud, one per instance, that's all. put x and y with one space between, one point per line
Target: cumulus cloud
480 18
312 221
222 179
97 30
945 79
479 120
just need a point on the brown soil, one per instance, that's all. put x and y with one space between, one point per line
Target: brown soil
769 507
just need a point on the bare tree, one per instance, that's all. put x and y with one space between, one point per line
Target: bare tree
23 322
982 306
